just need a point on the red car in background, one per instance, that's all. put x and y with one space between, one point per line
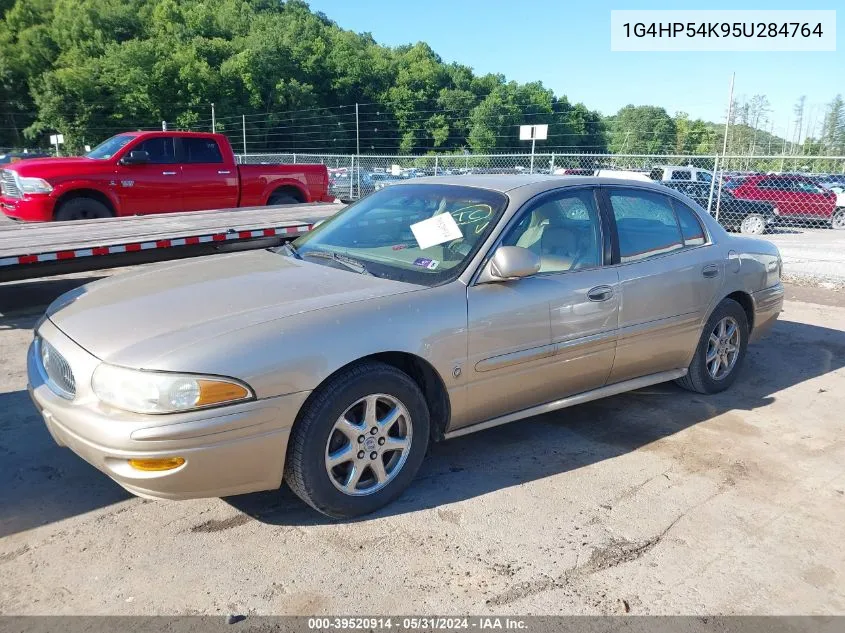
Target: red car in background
793 197
139 173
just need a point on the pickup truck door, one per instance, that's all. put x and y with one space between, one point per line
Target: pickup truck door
152 187
208 180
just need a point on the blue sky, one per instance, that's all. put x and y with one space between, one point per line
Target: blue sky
566 45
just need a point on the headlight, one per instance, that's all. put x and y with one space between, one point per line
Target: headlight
164 392
34 185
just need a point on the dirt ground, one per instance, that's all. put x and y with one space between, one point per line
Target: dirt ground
655 502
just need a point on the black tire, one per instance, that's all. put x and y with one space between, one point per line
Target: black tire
281 198
82 209
305 468
838 220
698 377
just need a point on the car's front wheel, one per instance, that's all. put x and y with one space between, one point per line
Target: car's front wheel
754 224
838 220
720 350
359 441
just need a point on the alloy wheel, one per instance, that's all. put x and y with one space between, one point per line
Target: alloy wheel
723 348
368 445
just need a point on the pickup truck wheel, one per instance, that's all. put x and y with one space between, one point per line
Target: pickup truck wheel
82 209
359 441
753 224
281 198
838 220
720 350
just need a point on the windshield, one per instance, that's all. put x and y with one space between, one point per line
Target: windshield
424 234
109 148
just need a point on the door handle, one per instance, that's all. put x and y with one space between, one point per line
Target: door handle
600 293
223 172
168 173
710 271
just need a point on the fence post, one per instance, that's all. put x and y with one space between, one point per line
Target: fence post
351 172
713 182
243 127
435 165
552 165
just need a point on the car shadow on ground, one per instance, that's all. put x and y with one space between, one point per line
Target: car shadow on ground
44 483
565 440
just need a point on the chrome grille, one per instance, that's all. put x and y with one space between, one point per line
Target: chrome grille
59 375
8 184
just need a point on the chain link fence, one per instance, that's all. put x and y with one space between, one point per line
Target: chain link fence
796 201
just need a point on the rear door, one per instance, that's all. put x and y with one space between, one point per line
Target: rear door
544 337
670 274
152 187
208 181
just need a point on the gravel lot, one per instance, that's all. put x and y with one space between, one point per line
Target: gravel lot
658 501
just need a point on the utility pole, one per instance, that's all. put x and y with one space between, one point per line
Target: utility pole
357 132
213 120
725 145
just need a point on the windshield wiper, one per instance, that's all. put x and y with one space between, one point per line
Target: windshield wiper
348 262
291 249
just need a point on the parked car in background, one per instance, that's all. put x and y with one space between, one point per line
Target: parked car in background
333 362
753 217
673 173
831 180
13 157
795 198
140 173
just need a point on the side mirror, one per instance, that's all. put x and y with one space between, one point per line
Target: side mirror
510 262
136 157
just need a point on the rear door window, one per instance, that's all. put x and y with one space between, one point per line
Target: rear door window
201 150
645 223
691 228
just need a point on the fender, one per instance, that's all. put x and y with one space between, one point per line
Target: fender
284 181
73 185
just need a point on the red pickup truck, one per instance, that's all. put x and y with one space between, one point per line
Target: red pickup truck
137 173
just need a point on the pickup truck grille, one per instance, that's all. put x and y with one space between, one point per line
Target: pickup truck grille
8 185
59 375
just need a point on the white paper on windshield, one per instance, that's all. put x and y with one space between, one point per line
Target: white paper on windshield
441 228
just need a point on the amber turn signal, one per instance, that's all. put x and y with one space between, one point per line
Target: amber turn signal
218 391
165 463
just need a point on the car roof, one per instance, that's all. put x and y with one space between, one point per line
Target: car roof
536 183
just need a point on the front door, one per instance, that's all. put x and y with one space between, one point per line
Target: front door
541 338
669 275
152 187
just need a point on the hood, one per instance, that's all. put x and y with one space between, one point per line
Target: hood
50 167
151 312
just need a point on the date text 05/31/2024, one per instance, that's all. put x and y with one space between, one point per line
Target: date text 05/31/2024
417 623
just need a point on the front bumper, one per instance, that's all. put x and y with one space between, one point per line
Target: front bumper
229 450
29 208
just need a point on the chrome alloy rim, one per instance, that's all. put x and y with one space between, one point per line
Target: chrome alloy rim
723 348
839 220
368 445
753 224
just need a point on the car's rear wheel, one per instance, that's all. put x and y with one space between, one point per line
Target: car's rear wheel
754 224
720 350
82 209
359 441
838 220
281 198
